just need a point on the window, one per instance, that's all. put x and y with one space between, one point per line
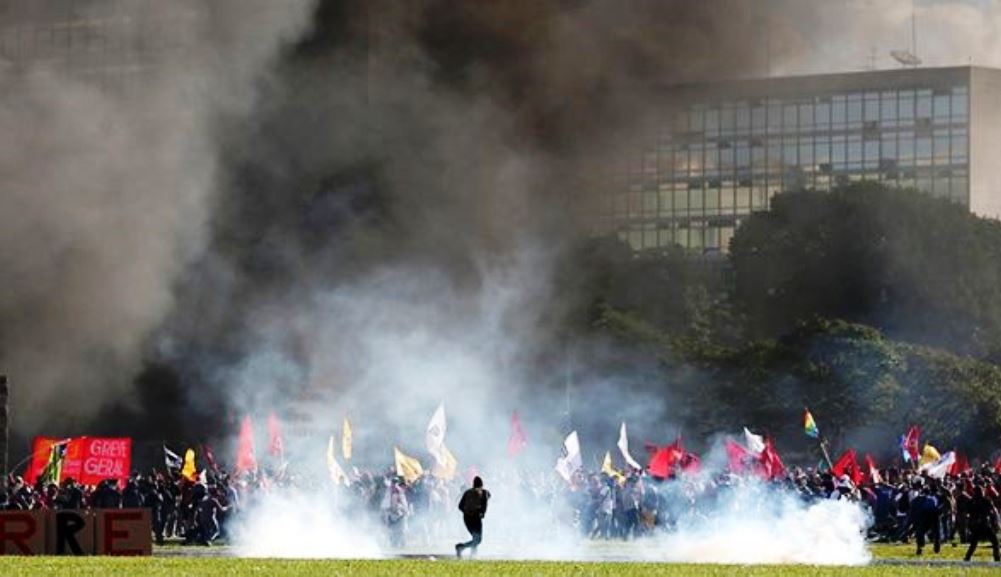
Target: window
959 101
712 121
726 157
743 116
726 200
906 106
854 149
888 108
940 146
712 238
871 153
839 113
666 201
774 116
871 107
806 114
838 150
889 146
650 203
959 146
823 152
712 200
789 153
922 149
743 155
727 119
823 114
906 146
681 201
941 106
789 115
758 114
854 109
806 152
923 107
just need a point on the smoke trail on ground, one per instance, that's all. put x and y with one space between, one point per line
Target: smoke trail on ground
304 525
754 524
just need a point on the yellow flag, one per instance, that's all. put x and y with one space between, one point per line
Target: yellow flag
929 455
346 440
407 467
608 469
188 471
336 472
446 469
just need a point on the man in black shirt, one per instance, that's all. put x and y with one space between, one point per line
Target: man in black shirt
474 507
983 523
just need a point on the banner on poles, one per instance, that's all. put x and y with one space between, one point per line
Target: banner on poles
89 460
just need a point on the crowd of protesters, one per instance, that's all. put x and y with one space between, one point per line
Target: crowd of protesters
904 505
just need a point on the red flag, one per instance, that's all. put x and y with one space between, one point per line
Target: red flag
847 464
737 456
997 466
245 460
277 448
517 441
960 466
912 443
663 460
690 463
210 457
771 466
872 472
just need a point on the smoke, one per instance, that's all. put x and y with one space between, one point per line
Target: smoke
753 524
109 171
302 526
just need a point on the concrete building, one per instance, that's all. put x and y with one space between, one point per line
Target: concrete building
722 150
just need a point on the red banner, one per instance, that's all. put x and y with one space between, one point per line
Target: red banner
89 460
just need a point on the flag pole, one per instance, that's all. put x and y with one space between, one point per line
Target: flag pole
827 456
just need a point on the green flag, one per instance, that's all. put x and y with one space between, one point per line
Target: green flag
54 467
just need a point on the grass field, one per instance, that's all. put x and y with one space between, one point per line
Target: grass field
175 567
906 552
181 566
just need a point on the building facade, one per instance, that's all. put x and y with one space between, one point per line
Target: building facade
722 151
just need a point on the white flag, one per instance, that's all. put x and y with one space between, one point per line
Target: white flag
624 449
172 459
754 443
571 461
940 468
336 473
333 467
434 439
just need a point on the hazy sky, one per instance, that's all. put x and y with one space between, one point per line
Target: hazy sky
857 34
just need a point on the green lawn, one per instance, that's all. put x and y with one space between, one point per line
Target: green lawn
897 551
176 567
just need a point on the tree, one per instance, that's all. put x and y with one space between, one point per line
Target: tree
919 268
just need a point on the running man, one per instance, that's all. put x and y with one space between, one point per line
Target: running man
474 507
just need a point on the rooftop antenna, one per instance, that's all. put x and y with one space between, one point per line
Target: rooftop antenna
909 57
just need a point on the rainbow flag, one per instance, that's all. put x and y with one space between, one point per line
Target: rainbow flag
809 425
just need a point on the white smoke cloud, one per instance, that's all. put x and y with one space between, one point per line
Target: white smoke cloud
297 525
756 525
